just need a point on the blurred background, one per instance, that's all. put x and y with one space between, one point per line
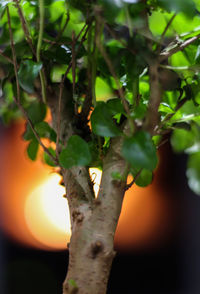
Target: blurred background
157 238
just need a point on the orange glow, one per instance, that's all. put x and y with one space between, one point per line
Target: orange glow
145 219
20 179
47 214
35 213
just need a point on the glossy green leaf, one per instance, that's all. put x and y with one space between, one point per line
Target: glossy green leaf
27 74
32 149
47 158
36 111
188 7
140 151
182 139
145 178
102 123
110 9
193 172
45 131
77 153
115 106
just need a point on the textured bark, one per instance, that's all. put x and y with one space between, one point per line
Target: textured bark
93 221
93 226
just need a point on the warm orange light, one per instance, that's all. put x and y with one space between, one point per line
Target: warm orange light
47 213
34 212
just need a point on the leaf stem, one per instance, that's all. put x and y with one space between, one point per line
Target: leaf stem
39 44
6 57
13 53
25 27
34 131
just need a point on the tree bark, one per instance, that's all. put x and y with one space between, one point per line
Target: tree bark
94 222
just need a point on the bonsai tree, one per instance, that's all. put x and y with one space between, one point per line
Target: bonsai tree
120 78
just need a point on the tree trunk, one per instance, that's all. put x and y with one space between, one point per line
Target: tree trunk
94 223
93 220
90 257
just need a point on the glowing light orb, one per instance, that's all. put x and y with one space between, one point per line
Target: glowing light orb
47 213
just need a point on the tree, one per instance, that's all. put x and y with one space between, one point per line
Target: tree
120 79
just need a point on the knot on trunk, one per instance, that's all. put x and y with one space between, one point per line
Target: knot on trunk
77 216
96 248
97 202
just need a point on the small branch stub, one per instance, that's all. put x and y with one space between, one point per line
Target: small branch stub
96 248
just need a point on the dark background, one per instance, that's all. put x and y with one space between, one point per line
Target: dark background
170 268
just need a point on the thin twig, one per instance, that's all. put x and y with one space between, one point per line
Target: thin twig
170 115
17 101
134 180
166 54
114 35
152 117
83 28
113 73
34 131
6 57
162 143
61 31
13 53
61 92
73 61
39 44
167 27
25 27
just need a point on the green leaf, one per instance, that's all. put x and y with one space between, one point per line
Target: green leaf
28 134
165 108
47 158
182 139
36 111
102 123
45 131
27 74
140 151
185 6
145 178
32 149
115 106
77 153
110 9
193 172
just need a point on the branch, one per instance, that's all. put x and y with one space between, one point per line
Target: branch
34 131
60 33
6 57
128 186
161 42
17 101
113 73
73 61
114 35
170 115
61 92
39 44
167 27
179 47
152 118
25 27
13 53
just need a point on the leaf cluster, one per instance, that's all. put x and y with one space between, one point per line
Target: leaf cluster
101 53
